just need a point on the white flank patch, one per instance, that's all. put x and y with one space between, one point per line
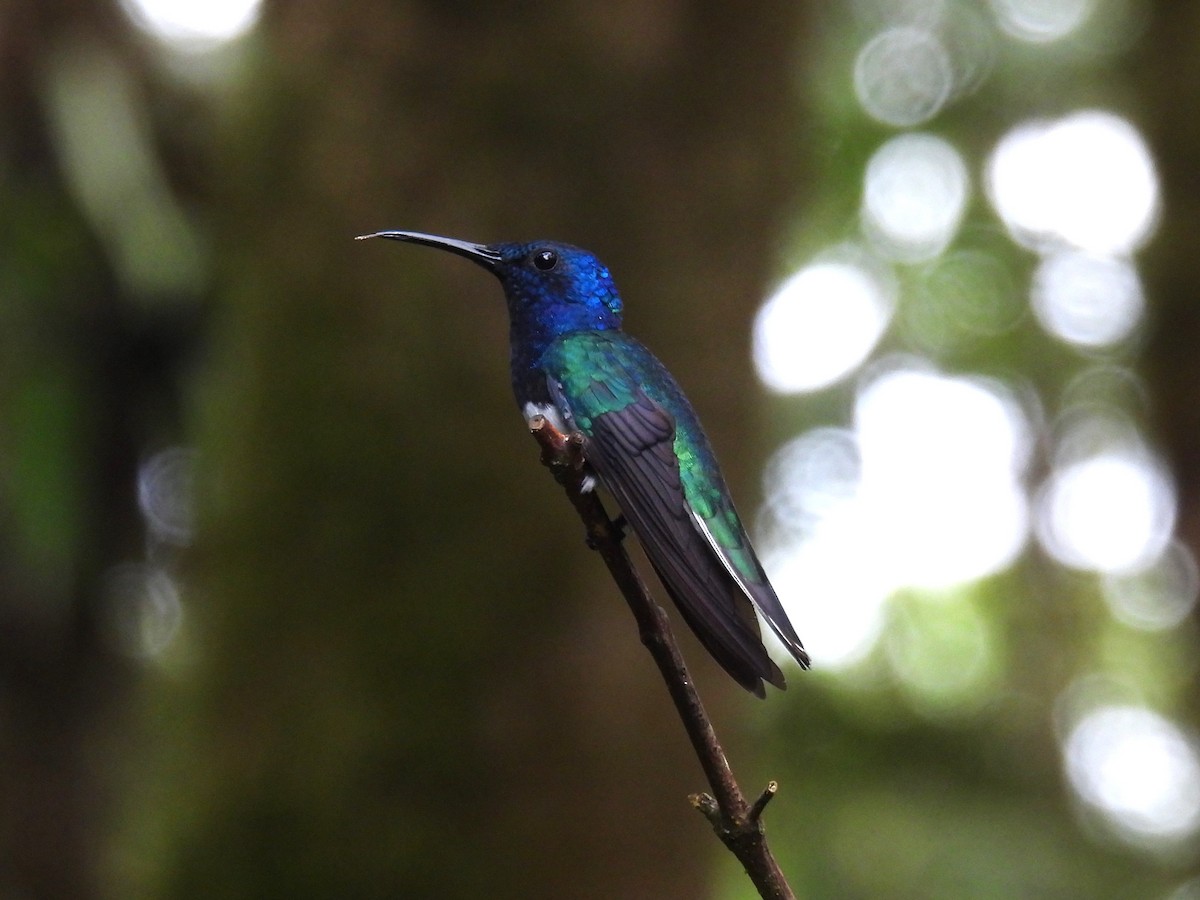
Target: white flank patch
548 411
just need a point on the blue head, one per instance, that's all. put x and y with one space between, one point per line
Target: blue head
556 288
552 289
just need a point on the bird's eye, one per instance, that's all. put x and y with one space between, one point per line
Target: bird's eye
545 260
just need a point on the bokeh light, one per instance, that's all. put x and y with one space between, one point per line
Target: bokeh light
1113 511
961 299
143 609
903 514
1160 596
834 600
165 487
822 322
1086 180
1138 770
915 191
1042 21
194 25
810 476
942 654
1105 389
903 76
926 486
1092 301
942 459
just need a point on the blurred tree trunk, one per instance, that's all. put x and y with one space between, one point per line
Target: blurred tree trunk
1168 75
407 675
85 387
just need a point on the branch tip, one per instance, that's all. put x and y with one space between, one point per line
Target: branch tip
734 821
764 798
708 807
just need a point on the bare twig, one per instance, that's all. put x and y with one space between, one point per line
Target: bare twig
737 823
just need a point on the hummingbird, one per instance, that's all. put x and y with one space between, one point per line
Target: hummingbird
573 365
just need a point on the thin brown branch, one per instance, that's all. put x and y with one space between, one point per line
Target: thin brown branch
764 798
737 823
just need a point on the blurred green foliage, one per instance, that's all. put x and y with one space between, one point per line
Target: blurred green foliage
397 670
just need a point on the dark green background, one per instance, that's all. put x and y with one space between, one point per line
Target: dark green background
400 673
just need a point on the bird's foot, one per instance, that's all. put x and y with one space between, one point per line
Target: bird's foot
615 533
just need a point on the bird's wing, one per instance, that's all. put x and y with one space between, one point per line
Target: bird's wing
718 521
629 441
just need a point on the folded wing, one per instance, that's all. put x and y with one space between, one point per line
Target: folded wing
632 452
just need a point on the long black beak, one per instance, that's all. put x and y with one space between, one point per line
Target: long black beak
477 253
